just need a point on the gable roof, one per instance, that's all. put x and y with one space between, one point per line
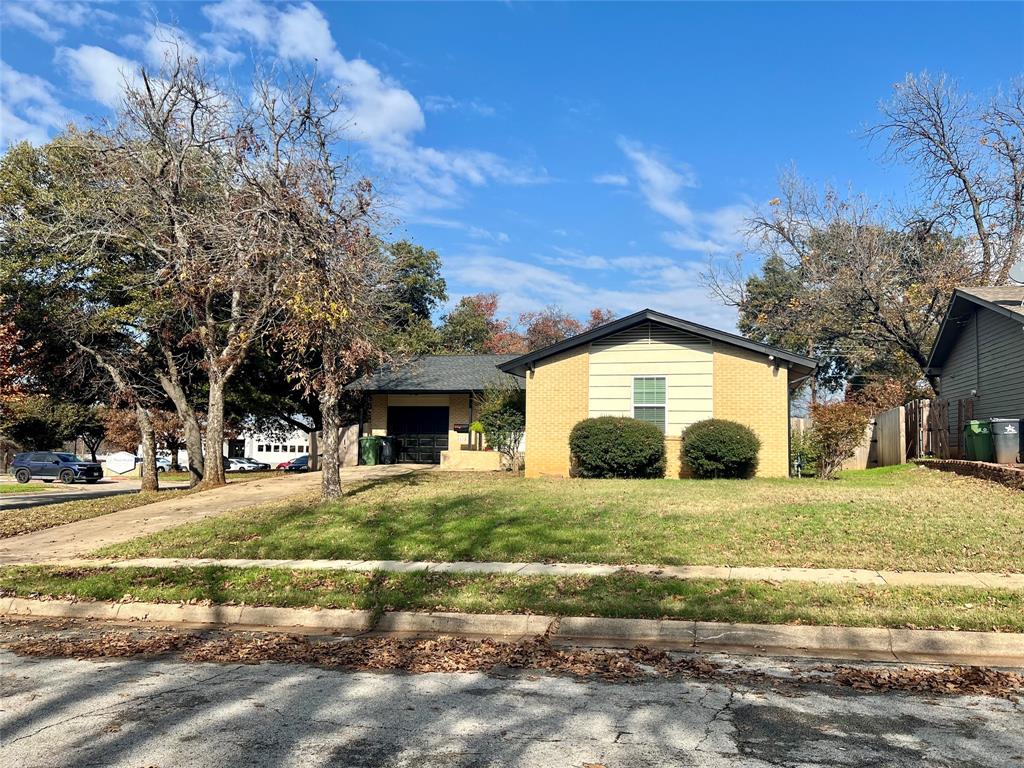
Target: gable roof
1005 300
519 365
438 374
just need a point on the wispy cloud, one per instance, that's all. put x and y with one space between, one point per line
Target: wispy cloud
523 286
48 19
383 116
451 104
663 183
101 72
28 107
612 179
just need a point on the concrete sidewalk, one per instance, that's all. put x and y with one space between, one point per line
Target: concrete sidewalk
810 575
77 539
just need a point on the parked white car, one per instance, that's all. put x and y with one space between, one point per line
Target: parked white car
240 465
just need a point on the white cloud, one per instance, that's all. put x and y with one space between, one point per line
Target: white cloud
662 183
381 114
47 19
523 287
612 179
102 72
162 42
451 104
28 108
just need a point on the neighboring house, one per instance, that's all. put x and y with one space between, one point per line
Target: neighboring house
648 365
429 403
979 356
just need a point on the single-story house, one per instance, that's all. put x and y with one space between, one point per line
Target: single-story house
978 356
649 366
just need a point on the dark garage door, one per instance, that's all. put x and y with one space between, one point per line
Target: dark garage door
422 432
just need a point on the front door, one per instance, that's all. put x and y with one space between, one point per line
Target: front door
421 432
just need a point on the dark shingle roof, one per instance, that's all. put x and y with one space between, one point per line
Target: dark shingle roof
438 374
1008 297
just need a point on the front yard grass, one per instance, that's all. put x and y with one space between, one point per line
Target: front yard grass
231 477
624 596
17 521
24 487
897 518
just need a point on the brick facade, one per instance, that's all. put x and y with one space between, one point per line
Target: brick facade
750 389
557 397
747 388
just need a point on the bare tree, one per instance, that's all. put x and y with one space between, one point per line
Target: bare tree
970 157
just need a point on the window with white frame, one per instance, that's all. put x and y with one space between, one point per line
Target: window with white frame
649 400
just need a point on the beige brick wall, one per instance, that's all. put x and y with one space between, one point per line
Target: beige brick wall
749 389
557 397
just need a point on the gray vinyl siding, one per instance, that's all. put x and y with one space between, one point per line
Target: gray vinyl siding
988 357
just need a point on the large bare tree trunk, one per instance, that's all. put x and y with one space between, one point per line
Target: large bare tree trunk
331 448
314 451
150 477
213 474
190 427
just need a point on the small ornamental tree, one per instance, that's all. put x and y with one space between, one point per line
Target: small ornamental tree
503 418
613 446
720 448
836 431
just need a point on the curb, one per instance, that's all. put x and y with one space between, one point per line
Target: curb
854 643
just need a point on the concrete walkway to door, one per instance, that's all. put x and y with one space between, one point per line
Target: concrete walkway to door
76 540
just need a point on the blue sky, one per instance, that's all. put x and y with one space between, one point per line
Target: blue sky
573 154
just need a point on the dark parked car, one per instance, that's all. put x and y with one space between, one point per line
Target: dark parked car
298 464
54 465
261 466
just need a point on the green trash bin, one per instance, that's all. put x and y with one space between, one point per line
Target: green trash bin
369 450
978 440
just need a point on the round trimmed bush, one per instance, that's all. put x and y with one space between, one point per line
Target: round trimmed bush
720 448
613 446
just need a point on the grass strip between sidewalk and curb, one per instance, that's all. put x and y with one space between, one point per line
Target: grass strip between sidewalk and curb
617 596
25 488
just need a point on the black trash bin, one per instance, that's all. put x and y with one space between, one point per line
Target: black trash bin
388 449
1006 440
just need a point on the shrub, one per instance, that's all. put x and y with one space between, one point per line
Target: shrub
613 446
720 448
837 429
503 419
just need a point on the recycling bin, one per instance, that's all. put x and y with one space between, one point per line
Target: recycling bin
978 440
1006 440
369 450
388 449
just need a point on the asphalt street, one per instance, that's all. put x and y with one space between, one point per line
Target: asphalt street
66 712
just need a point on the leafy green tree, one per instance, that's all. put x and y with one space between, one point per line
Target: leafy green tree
503 418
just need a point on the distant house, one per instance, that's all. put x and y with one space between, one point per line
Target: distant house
979 356
649 366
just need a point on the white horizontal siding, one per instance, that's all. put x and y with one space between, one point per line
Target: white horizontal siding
685 361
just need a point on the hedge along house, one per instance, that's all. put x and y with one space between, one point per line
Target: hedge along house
428 404
979 357
661 369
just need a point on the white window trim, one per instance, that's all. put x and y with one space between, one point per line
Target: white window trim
634 404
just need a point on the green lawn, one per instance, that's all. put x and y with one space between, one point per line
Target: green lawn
615 596
17 521
903 518
24 487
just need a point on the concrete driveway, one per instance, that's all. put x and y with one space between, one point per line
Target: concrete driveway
75 540
67 712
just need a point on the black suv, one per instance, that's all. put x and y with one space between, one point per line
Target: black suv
54 465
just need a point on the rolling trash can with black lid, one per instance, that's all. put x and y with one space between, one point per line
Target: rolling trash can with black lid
1006 440
369 450
388 449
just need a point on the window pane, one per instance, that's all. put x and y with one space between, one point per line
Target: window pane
653 414
649 390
